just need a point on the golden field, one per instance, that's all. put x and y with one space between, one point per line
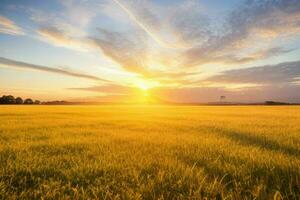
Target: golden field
149 152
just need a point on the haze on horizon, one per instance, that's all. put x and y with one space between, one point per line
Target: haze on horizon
179 51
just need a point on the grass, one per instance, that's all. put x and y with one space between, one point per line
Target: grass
149 152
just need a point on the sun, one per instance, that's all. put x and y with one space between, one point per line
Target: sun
143 86
146 85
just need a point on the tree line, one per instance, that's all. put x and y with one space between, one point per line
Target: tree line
9 99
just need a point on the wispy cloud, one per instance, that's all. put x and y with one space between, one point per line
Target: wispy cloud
7 26
143 15
129 52
189 24
246 57
245 27
276 17
141 24
279 74
111 89
72 18
87 10
23 65
58 38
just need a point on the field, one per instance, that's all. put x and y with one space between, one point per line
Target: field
149 152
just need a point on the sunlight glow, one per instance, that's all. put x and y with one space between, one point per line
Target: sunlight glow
146 85
143 86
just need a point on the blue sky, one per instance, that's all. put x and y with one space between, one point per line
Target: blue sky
183 51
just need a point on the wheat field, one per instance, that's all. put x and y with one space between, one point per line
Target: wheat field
149 152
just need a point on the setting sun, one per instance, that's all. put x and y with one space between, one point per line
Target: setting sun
146 85
143 87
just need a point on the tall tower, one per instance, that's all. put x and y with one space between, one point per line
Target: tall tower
222 98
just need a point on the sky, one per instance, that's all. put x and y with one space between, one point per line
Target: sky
184 51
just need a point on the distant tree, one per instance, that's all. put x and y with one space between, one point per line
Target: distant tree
37 102
8 99
11 99
275 103
19 100
28 101
2 100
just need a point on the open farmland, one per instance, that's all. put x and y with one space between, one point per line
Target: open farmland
149 152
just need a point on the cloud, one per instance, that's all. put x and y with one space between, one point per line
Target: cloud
277 16
253 56
260 54
58 38
220 55
72 19
129 52
23 65
154 21
9 27
189 24
111 89
141 24
246 27
66 26
283 73
81 12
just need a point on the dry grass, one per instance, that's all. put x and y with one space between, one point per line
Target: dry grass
149 152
